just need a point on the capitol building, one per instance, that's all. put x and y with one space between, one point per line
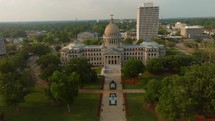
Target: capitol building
112 51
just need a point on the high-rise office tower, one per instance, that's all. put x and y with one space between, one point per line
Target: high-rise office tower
2 46
147 21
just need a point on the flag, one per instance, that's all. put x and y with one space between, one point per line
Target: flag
88 52
136 50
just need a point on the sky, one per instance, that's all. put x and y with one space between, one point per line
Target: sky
51 10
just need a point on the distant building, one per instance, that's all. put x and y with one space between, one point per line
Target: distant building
147 21
112 51
35 33
191 31
210 31
2 46
180 25
14 40
87 36
131 34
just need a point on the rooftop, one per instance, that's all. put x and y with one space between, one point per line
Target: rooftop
194 27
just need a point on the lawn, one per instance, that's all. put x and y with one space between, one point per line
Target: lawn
174 51
95 85
38 108
136 112
143 80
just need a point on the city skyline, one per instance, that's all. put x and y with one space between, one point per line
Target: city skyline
51 10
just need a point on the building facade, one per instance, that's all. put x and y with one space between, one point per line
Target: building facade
2 46
147 21
191 31
112 51
131 34
87 36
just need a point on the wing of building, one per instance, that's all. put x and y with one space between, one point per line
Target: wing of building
112 51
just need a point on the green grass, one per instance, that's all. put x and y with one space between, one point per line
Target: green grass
95 85
98 70
38 108
136 110
174 51
143 80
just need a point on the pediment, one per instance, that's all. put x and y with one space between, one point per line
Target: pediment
112 51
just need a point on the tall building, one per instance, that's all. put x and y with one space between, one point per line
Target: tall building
2 46
112 51
147 21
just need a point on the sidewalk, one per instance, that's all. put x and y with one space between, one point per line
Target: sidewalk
113 113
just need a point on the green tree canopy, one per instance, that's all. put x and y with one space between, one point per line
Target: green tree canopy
48 63
92 42
132 68
128 41
187 95
15 82
169 63
83 68
64 88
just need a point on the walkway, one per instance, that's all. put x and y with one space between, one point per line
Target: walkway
118 112
113 113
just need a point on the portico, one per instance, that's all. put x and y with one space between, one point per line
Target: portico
112 56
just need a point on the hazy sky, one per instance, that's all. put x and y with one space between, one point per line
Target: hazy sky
44 10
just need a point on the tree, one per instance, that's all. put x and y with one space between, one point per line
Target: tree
169 63
11 48
162 31
83 68
92 42
198 40
155 65
128 41
45 60
132 68
48 63
40 49
200 85
64 88
152 92
140 41
187 95
15 82
170 98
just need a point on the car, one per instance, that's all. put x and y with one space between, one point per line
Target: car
112 85
112 99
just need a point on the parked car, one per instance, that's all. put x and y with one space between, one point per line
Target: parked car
112 85
112 99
